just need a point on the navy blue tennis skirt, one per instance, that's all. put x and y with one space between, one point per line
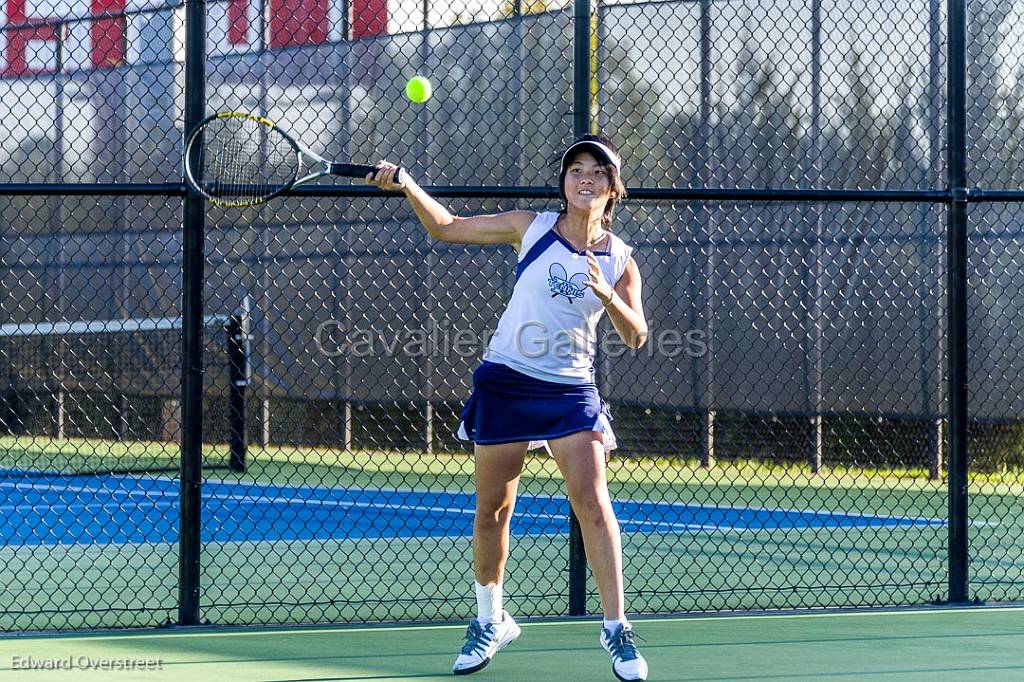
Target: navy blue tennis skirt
507 406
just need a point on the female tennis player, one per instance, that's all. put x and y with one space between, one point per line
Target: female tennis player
536 382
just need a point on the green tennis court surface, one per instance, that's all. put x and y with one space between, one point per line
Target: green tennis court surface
931 644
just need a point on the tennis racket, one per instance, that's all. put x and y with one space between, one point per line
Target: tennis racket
239 159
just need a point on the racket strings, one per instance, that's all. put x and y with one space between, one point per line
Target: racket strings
246 161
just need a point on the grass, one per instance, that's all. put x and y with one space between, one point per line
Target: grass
441 470
353 580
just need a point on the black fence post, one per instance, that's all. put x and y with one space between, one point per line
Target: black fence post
192 332
956 273
580 126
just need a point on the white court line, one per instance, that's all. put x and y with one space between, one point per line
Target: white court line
83 506
345 504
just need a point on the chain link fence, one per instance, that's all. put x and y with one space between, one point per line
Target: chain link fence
785 436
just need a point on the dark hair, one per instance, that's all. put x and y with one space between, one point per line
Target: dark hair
618 190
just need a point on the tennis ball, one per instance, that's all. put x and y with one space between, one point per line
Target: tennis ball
418 89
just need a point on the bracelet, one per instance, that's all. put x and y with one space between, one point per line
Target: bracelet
611 299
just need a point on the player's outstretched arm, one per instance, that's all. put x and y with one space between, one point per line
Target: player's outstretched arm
498 228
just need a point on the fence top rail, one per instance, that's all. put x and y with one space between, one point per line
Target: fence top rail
543 192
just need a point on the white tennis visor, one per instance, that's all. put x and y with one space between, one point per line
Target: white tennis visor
600 152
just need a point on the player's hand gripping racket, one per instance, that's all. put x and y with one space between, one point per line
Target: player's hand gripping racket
239 159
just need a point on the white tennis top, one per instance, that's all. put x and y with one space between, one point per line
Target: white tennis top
549 328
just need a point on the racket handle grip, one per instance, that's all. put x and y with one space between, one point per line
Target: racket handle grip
351 170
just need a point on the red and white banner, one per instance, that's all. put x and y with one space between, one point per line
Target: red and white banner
61 30
40 36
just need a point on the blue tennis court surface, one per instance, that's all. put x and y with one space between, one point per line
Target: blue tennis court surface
54 510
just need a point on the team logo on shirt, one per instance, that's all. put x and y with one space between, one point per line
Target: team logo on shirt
562 285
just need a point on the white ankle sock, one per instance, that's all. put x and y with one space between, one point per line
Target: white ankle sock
488 602
611 625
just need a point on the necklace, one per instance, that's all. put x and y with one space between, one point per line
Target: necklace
596 240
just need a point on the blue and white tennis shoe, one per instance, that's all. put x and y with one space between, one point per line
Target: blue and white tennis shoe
483 641
627 663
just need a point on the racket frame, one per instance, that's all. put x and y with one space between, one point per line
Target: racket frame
324 167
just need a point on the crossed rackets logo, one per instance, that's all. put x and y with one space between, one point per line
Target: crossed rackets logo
562 285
